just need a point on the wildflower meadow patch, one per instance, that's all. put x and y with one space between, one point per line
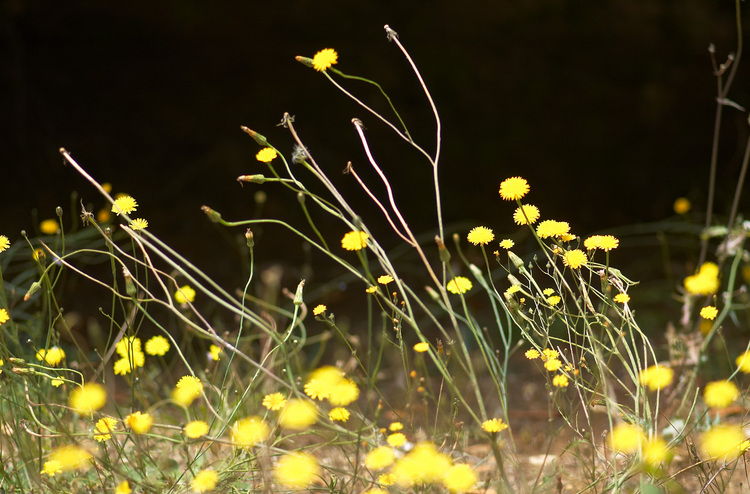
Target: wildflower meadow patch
429 375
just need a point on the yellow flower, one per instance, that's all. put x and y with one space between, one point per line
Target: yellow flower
396 439
549 353
126 364
184 295
354 241
339 414
298 414
4 243
655 451
512 189
527 214
656 377
554 300
87 398
720 394
421 347
343 393
296 470
705 282
626 438
4 317
622 298
51 468
480 235
105 426
71 457
385 479
266 155
195 429
385 279
395 426
709 312
723 442
379 458
743 362
575 258
423 464
532 354
371 289
274 401
247 432
139 224
552 228
53 356
552 364
140 423
124 205
183 397
494 425
319 309
214 353
49 227
603 242
681 205
324 59
157 345
55 382
507 243
459 478
560 381
190 385
205 481
123 488
127 345
322 380
459 284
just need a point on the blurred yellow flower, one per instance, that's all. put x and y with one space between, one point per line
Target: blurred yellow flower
480 235
298 414
720 394
423 464
53 356
354 241
214 353
49 227
123 488
656 377
247 432
51 468
296 470
396 439
196 429
421 347
184 294
385 279
459 284
190 385
743 362
552 364
709 312
266 155
514 188
626 438
681 205
655 452
157 346
459 478
723 442
395 426
87 398
140 423
560 381
71 457
205 481
379 458
4 317
324 59
705 281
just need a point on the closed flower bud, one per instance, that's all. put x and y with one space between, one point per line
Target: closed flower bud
517 261
254 179
260 139
212 215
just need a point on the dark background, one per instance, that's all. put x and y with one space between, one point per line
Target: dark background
605 107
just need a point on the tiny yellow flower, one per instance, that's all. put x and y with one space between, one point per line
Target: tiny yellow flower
140 423
157 346
379 458
681 205
214 353
339 414
49 227
371 289
195 429
324 59
494 425
560 381
552 364
51 468
656 377
421 347
71 457
622 298
205 481
319 309
87 398
395 426
709 312
549 353
190 385
527 214
507 244
626 438
480 235
554 300
53 356
274 401
184 294
514 188
139 224
396 439
575 258
123 488
720 394
385 479
532 354
247 432
4 243
55 382
266 155
297 470
743 362
603 242
124 205
354 241
459 284
4 317
459 478
705 281
104 427
385 279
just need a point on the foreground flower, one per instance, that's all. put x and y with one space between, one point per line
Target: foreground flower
157 346
743 362
195 429
71 457
51 468
527 214
705 281
494 425
87 398
124 205
603 242
339 414
385 279
723 442
266 155
205 481
655 452
354 241
626 438
656 377
459 284
379 458
720 394
514 188
4 243
397 439
190 385
480 235
423 464
324 59
552 228
123 488
140 423
575 258
298 414
296 470
560 381
709 312
139 224
184 295
459 478
247 432
274 401
53 356
4 317
104 427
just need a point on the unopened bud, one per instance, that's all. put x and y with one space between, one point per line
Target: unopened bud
32 290
23 371
445 256
130 288
513 280
307 62
298 293
301 197
517 261
250 239
59 211
19 362
212 215
260 139
255 179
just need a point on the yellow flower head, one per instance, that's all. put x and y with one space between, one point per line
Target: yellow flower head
319 309
507 243
743 362
157 346
549 353
296 470
575 258
396 439
421 347
324 59
494 425
709 312
190 385
140 423
339 414
656 377
480 235
379 458
266 155
622 298
723 442
552 228
354 241
205 481
51 468
395 426
4 243
123 488
720 394
184 295
71 457
104 427
527 214
195 429
532 354
552 364
459 284
423 464
4 317
603 242
705 281
626 438
87 398
655 452
214 353
385 279
560 381
553 300
681 205
274 401
459 478
247 432
126 364
512 189
49 227
124 205
53 356
322 380
139 224
298 414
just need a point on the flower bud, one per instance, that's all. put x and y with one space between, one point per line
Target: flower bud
307 62
298 293
260 139
32 290
517 261
254 179
212 215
